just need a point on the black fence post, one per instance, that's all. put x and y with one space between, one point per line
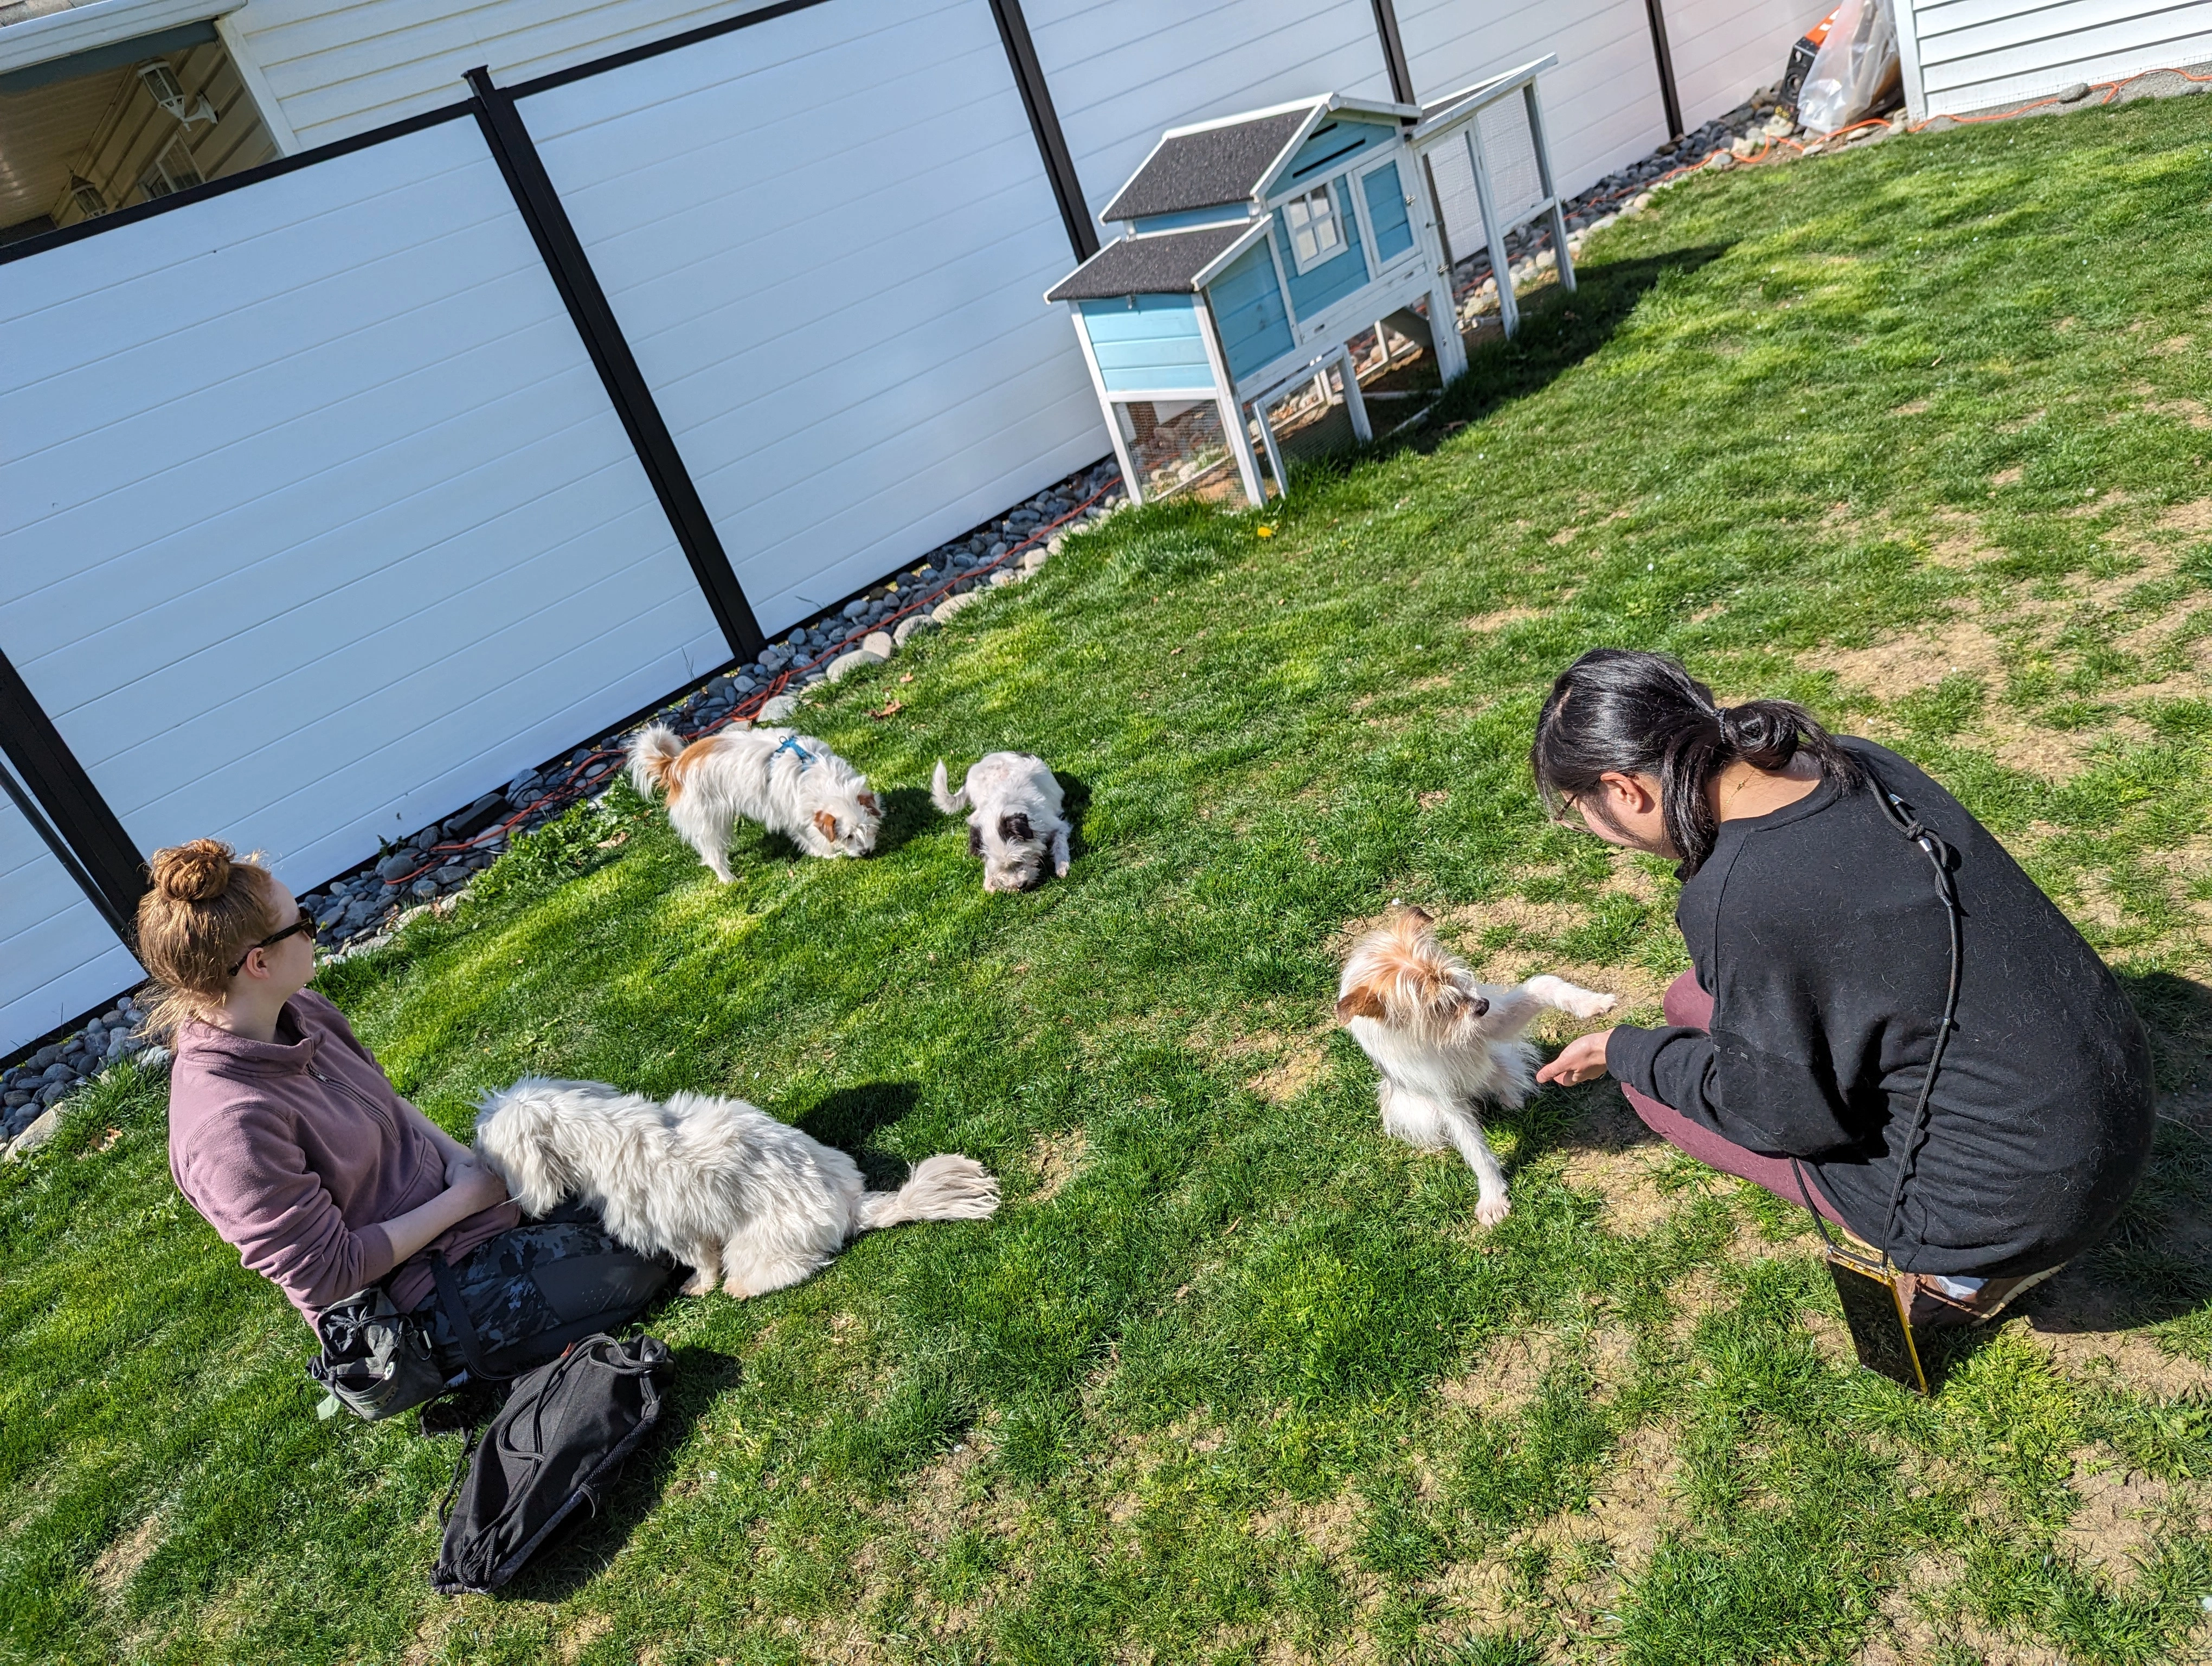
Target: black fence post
85 834
1394 52
1663 56
562 251
1044 125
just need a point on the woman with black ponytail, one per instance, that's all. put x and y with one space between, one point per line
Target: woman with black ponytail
1806 1050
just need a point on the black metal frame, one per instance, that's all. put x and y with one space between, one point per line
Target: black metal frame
1044 125
104 862
1394 52
1663 57
562 251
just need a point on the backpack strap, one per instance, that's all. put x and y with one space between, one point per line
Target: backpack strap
457 1314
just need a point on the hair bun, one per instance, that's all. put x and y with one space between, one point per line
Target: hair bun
192 872
1763 732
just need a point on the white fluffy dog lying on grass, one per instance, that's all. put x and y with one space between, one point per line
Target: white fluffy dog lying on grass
744 1201
1444 1043
790 783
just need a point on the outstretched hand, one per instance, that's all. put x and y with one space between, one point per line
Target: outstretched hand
1582 1059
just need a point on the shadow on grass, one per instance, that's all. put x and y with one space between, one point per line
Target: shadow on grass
2155 1264
1558 331
849 1119
696 1378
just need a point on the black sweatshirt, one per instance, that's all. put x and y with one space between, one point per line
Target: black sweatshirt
1818 931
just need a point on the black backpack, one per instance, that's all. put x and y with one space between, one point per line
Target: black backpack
513 1302
555 1445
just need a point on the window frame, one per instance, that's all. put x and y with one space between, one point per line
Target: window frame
1337 201
160 167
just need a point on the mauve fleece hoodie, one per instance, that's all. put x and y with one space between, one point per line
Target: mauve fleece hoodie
296 1150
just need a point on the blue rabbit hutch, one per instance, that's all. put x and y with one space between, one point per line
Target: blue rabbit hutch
1257 247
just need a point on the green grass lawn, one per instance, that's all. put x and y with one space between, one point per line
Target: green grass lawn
1913 435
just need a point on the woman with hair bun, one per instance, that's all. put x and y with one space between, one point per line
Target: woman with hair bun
1805 1050
283 1132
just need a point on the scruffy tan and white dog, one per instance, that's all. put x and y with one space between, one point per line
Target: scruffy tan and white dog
746 1201
1444 1042
790 783
1015 823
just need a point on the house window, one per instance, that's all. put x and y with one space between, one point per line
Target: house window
172 170
1317 228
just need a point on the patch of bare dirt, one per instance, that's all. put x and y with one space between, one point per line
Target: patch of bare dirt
580 1635
1056 1159
115 1566
1910 408
2010 476
1917 660
2193 518
1498 619
1289 1077
2077 1320
1328 1527
1506 1379
1564 536
1627 1183
2189 411
1635 1501
2118 1516
2020 424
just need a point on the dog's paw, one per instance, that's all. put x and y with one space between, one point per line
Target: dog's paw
1491 1210
1568 997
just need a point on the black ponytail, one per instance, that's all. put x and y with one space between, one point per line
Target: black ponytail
1616 710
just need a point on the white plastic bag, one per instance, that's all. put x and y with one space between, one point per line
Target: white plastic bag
1855 69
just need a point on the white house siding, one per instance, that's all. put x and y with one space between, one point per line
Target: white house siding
1724 50
339 69
826 238
57 959
1962 56
1123 72
315 521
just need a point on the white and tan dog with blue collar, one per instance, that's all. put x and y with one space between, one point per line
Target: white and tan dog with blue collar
790 783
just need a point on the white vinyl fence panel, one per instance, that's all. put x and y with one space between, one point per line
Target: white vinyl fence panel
1601 103
826 239
315 521
1123 71
1725 51
57 959
1962 56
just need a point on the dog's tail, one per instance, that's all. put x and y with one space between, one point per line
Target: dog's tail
652 755
942 1187
942 795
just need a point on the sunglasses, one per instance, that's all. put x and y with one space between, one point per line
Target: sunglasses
305 922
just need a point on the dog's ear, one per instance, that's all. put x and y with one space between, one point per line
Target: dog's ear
1015 829
827 823
975 840
868 803
1360 1001
1416 915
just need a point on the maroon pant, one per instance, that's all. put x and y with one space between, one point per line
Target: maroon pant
1690 1008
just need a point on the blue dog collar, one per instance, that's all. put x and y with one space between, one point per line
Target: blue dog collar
791 744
